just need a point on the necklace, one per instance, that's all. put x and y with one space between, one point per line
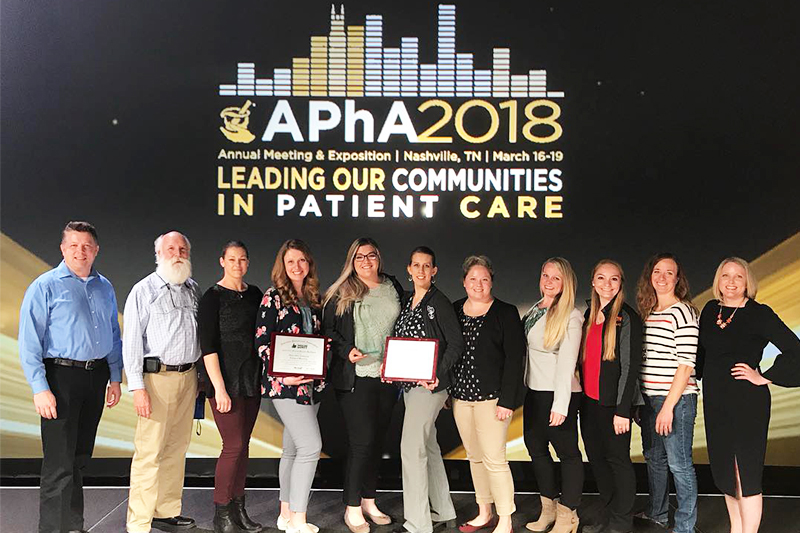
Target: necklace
724 323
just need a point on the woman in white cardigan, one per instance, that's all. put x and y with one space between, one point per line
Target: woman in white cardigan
553 332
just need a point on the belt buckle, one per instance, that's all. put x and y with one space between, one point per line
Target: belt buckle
89 365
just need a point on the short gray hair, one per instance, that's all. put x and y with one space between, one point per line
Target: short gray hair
476 260
157 242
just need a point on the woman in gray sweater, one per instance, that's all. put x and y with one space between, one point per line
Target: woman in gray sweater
553 332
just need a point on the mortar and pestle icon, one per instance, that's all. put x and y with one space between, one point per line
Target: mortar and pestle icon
236 120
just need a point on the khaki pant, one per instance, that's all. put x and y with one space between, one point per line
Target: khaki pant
426 492
160 445
484 438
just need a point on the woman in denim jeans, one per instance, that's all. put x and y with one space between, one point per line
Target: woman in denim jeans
670 389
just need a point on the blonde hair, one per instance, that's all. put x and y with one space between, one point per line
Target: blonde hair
752 283
610 335
285 287
348 288
563 304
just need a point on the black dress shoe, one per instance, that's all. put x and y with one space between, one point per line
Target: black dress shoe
176 523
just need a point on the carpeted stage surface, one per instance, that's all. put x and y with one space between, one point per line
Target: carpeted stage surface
106 508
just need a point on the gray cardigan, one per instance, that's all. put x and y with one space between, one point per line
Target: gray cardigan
555 370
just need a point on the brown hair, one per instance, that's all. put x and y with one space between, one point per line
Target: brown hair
646 298
284 286
610 334
476 260
80 226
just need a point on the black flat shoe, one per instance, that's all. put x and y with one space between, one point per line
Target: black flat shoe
176 523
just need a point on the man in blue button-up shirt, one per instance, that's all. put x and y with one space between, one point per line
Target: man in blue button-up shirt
71 353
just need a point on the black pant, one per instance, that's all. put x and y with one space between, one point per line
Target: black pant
367 413
538 434
67 444
610 457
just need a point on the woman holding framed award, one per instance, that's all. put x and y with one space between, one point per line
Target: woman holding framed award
611 354
486 388
226 320
293 306
426 313
360 311
553 330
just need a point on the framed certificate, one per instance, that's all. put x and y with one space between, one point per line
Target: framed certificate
295 355
410 359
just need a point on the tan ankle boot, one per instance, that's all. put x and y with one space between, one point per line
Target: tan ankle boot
566 520
546 519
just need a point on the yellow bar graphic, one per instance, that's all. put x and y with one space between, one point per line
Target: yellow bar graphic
355 61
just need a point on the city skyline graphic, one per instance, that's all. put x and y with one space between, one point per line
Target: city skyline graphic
351 61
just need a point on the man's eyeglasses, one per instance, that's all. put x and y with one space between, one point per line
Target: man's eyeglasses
372 256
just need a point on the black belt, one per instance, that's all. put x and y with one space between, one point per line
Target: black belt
86 365
177 368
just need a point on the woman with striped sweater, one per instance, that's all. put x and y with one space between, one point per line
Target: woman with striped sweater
669 388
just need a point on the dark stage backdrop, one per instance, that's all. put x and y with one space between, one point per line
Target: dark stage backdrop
520 130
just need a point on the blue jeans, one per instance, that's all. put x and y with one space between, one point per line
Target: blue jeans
673 453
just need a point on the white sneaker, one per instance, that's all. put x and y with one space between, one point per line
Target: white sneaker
283 525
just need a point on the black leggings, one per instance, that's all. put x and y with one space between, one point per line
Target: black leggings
610 457
538 434
367 413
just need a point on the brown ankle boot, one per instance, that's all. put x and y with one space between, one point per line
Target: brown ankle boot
566 520
546 519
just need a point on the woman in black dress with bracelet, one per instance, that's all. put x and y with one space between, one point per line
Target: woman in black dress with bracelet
734 329
226 320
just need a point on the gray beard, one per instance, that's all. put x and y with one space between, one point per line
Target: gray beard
175 273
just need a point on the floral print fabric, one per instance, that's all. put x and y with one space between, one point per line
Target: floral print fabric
273 317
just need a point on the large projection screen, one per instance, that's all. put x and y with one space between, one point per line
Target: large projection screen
520 130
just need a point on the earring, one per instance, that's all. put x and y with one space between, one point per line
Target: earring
433 279
410 278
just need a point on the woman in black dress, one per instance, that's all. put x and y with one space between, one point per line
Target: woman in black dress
734 329
226 320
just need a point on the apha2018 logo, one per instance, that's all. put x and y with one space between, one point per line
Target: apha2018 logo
352 62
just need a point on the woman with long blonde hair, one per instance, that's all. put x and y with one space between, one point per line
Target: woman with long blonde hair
361 308
611 354
553 331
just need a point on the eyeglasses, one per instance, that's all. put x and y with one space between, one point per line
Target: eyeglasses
372 256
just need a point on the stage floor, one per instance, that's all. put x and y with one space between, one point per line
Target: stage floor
106 508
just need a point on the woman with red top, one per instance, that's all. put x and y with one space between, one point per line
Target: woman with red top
609 366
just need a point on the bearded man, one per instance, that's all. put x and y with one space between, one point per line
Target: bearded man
160 349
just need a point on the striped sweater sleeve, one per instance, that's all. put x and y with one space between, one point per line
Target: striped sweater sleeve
687 332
